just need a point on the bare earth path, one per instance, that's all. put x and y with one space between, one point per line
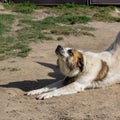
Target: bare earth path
19 75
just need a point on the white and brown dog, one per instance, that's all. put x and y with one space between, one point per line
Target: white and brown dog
84 70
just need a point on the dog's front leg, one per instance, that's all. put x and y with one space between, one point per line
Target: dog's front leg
50 87
69 89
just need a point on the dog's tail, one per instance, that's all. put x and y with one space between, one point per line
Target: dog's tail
115 46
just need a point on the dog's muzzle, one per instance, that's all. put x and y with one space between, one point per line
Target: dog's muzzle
59 50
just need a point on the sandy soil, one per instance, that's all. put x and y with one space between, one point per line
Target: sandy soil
19 75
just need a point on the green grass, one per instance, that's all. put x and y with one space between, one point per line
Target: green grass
60 38
103 14
24 8
66 18
52 24
2 28
5 21
86 28
11 47
66 30
94 12
18 46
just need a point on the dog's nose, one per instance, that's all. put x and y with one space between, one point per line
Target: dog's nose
58 49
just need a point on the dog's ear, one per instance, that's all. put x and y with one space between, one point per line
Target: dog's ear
76 60
80 64
78 57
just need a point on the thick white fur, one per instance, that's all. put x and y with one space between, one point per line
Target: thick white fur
85 79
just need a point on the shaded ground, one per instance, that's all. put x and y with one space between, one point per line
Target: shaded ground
19 75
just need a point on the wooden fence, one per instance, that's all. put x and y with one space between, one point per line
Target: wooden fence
86 2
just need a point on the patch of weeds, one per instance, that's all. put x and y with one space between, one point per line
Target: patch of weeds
39 26
8 5
26 35
52 24
33 33
12 61
115 19
36 30
44 37
94 12
14 69
105 17
7 18
60 38
3 57
22 49
63 24
5 21
25 8
67 6
6 44
103 14
73 19
2 28
11 47
51 21
66 30
11 69
68 19
86 28
73 10
66 118
3 69
87 33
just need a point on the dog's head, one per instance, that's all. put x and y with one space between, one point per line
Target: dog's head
70 61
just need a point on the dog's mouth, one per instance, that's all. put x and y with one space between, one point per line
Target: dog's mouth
59 50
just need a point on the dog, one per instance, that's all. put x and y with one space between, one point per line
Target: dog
83 70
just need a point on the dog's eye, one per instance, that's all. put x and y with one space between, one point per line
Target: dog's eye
70 52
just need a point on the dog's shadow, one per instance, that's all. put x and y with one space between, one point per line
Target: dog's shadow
27 85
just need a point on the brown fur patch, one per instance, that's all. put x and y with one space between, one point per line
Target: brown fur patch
103 71
76 60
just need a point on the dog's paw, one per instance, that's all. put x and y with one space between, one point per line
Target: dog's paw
34 92
44 96
31 92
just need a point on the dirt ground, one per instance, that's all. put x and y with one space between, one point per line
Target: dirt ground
19 75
